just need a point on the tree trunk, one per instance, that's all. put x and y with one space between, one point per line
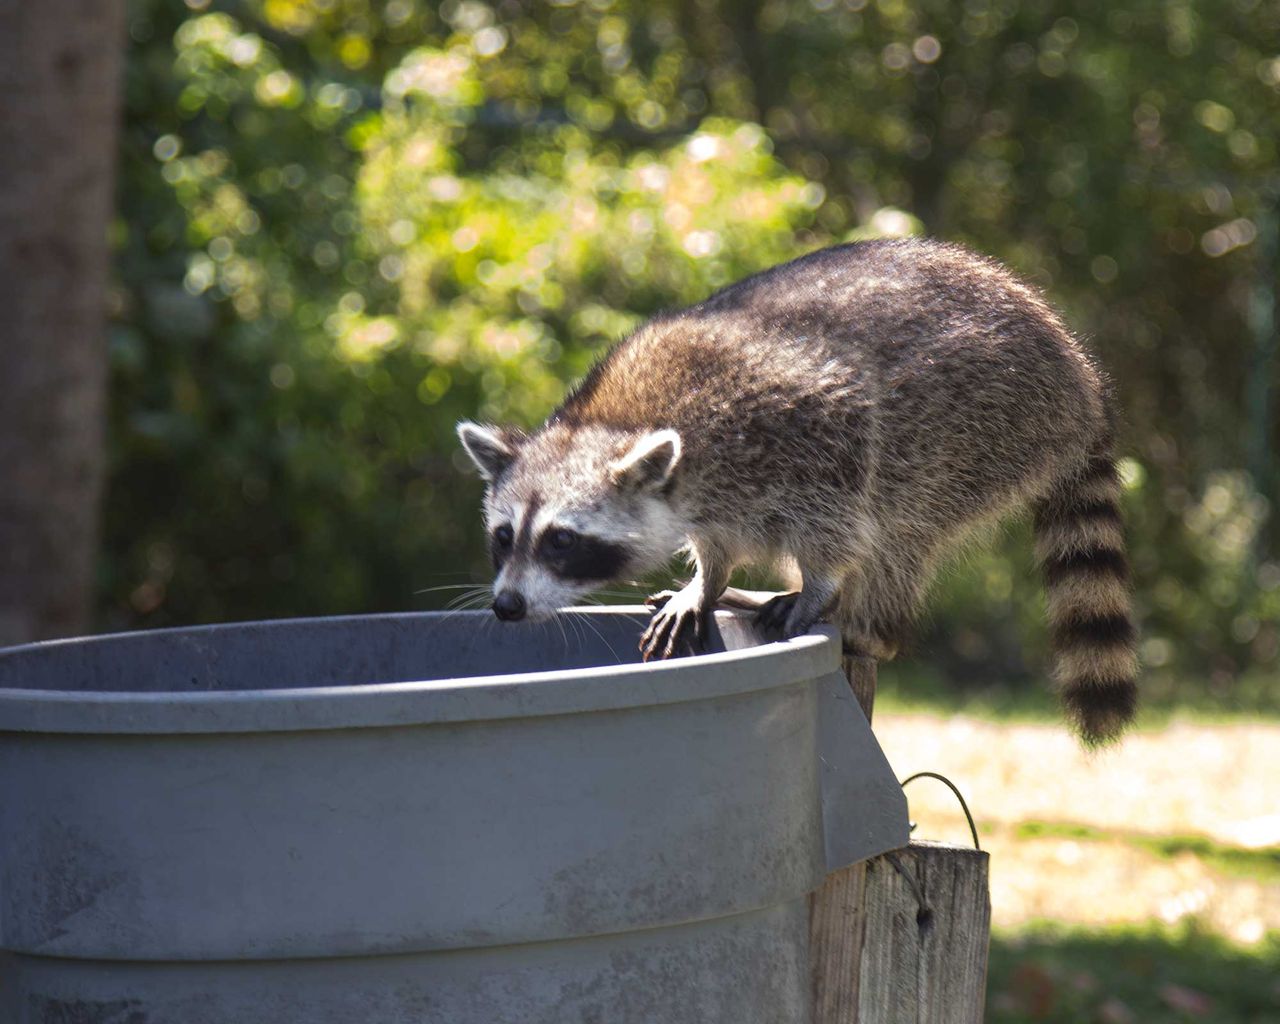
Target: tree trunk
60 69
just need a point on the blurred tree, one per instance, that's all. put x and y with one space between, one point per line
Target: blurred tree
346 224
60 64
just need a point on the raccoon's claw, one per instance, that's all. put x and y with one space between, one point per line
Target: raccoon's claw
773 615
655 602
674 629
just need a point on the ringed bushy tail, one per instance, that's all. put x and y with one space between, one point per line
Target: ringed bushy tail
1080 545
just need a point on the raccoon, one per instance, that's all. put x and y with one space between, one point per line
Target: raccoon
849 418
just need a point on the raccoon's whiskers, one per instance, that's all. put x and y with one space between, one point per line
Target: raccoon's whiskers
586 621
558 618
579 633
466 599
449 586
466 602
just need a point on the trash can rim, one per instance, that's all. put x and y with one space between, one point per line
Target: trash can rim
412 703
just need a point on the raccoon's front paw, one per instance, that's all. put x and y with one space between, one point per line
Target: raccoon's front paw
679 624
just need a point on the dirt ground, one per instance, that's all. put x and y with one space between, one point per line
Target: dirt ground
1082 837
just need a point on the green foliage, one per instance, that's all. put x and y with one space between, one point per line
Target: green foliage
345 225
1123 975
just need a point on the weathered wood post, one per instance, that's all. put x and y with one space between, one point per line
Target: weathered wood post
902 938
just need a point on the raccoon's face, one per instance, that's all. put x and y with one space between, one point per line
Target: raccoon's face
568 510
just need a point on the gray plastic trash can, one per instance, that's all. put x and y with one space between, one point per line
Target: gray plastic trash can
424 819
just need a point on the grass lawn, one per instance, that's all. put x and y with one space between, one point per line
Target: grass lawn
1055 974
1139 884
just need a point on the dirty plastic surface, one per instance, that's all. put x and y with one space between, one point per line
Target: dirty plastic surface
424 818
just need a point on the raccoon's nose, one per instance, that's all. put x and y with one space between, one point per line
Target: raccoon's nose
509 606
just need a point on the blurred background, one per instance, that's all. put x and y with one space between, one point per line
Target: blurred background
342 225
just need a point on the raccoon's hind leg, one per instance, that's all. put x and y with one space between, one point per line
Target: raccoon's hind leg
878 608
772 615
681 619
795 614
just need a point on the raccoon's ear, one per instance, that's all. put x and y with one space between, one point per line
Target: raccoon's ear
492 449
650 462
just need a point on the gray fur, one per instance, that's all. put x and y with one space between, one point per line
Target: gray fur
852 417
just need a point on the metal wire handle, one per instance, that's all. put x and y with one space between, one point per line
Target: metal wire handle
973 829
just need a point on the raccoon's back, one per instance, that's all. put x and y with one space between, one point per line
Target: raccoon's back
940 355
805 328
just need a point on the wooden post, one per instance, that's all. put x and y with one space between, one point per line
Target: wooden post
927 922
861 673
836 910
902 938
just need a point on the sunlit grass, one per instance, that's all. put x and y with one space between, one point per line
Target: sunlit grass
1168 825
1262 864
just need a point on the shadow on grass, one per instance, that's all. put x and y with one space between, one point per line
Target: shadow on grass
1131 975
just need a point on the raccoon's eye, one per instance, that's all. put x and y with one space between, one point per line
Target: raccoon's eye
561 539
503 536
